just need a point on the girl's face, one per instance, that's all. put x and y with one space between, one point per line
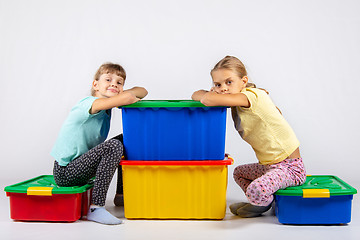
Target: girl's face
108 85
227 81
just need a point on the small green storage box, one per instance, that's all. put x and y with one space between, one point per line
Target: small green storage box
322 199
40 199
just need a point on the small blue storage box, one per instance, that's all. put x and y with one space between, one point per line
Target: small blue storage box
173 130
322 199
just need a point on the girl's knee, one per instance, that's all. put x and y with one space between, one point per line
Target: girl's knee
238 171
302 179
115 142
116 146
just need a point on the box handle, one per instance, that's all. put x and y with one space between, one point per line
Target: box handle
39 191
316 193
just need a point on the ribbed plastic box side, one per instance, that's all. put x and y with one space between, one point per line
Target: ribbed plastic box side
62 207
63 204
166 133
174 191
298 210
322 199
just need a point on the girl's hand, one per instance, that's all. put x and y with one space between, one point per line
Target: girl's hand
136 100
198 95
127 98
139 92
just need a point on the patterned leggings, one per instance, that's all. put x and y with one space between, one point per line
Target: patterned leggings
259 182
100 162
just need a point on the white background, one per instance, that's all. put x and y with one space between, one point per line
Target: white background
305 53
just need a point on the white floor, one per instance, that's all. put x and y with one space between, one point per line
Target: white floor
231 227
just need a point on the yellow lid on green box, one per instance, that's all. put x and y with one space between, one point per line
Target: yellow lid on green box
319 186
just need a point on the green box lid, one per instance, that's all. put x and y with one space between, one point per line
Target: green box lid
46 181
335 185
164 104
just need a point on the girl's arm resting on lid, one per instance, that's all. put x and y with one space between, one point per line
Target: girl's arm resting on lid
123 98
139 92
216 99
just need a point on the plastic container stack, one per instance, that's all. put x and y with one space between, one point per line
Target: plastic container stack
175 167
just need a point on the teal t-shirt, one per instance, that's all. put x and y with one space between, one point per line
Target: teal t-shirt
81 132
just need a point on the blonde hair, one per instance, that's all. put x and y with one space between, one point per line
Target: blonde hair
233 64
109 68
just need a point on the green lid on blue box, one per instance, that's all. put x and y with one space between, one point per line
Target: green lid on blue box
333 184
164 104
46 181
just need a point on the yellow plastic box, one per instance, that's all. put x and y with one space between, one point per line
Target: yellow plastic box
175 189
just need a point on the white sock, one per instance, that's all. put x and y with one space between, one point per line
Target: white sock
101 215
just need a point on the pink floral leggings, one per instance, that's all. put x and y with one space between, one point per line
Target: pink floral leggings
259 182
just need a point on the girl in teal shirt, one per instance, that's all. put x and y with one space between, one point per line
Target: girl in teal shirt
81 151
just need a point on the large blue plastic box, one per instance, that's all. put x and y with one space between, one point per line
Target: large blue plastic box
173 130
322 199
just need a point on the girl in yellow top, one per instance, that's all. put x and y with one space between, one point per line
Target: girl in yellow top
260 124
